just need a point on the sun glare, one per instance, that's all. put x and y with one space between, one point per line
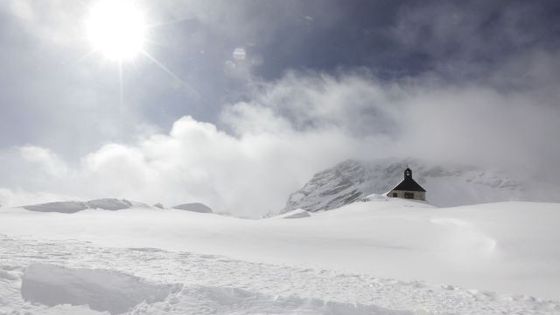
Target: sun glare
116 29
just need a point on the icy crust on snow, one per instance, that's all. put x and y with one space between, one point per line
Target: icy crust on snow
102 290
219 285
352 180
75 206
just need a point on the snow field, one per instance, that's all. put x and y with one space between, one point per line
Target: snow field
208 284
379 257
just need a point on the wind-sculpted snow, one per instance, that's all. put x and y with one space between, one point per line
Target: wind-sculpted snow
59 206
194 207
101 290
109 204
352 180
118 292
75 206
382 255
224 300
210 284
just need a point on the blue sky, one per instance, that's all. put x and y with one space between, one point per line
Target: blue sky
323 80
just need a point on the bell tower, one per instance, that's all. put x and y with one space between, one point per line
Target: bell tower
408 173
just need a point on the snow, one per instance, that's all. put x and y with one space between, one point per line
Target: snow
295 214
384 255
117 293
58 287
195 207
101 290
75 206
239 301
59 206
111 204
219 285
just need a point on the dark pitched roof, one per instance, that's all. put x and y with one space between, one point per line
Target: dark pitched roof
409 184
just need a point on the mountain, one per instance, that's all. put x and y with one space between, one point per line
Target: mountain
449 185
194 207
75 206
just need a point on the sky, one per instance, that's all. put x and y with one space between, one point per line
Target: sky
238 103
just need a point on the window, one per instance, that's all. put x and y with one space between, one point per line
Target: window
395 194
409 195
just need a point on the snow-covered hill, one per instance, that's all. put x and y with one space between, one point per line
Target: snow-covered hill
383 256
194 206
109 204
75 206
352 180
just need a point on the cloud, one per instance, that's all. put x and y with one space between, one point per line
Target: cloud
248 166
47 20
18 197
45 159
265 148
249 174
288 88
465 39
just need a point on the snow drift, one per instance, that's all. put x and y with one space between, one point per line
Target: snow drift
116 292
102 290
75 206
226 301
509 247
385 254
194 207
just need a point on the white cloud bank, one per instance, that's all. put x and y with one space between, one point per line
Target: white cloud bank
266 148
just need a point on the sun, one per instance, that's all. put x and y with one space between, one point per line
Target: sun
116 29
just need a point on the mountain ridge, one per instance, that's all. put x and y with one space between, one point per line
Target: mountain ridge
446 185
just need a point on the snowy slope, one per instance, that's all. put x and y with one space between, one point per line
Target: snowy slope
352 180
194 206
101 290
85 279
384 255
53 289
